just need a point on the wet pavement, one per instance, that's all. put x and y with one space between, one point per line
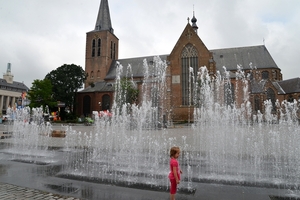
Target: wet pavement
13 192
106 192
21 180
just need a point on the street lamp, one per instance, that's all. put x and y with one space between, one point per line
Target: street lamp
99 105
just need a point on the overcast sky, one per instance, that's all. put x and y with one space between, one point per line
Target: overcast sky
37 36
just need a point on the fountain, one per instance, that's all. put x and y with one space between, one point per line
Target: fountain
235 146
129 148
225 144
30 140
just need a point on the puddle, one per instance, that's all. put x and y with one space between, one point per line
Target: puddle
64 188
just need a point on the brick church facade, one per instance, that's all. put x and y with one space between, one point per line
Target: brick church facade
265 78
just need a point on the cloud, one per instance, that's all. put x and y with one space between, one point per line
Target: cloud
38 36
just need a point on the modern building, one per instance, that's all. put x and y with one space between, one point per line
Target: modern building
12 93
101 60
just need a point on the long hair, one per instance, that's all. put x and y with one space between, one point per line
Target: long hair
173 151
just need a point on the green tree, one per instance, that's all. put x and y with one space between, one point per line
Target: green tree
66 80
126 92
129 91
40 94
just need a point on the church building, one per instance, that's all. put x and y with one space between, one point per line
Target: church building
101 60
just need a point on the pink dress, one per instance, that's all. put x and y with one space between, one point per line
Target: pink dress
174 163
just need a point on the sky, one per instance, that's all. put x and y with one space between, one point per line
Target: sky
38 36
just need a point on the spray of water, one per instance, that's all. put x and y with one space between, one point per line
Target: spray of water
226 143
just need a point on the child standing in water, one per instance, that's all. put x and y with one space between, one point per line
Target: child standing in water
175 171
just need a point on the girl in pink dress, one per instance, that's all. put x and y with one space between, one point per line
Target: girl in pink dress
175 171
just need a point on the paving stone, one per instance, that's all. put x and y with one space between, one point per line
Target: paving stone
12 192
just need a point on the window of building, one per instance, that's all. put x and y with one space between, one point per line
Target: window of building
265 75
111 49
274 74
98 73
291 98
93 47
114 56
189 59
99 47
256 103
92 74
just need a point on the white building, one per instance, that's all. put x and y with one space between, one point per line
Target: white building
12 93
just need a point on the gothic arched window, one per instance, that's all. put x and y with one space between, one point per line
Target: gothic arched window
111 49
114 56
99 47
93 47
189 60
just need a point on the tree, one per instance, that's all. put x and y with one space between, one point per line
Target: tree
40 94
66 81
129 91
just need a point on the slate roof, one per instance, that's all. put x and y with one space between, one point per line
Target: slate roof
137 66
290 85
228 58
283 87
15 85
259 56
102 86
279 88
103 20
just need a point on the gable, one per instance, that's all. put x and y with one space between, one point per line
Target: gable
189 36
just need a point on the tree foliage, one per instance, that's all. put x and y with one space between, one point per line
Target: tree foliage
129 91
66 80
40 94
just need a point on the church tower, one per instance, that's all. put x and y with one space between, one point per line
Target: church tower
101 47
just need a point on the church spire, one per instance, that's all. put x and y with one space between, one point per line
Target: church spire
103 20
194 20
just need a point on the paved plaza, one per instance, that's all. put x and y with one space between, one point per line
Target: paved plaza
206 192
13 192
